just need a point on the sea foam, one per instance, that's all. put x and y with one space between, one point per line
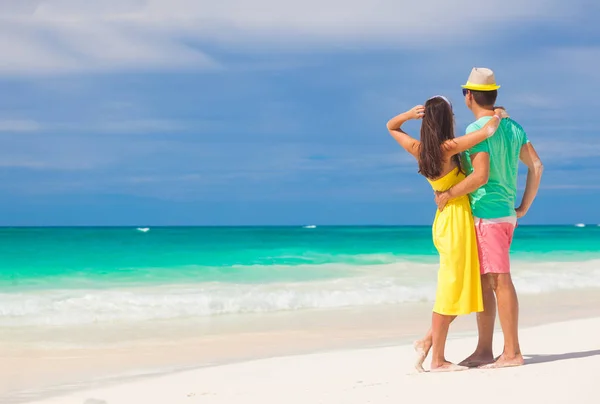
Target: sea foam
369 285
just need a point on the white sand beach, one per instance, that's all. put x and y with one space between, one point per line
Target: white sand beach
42 362
562 363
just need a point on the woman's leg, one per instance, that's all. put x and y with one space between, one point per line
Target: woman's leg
422 347
440 325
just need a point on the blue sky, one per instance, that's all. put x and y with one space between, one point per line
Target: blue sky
194 113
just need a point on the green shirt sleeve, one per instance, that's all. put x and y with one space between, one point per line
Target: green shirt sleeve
525 139
482 147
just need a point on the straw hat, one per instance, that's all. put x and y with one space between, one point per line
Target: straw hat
481 79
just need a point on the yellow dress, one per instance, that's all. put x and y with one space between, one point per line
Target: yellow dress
459 282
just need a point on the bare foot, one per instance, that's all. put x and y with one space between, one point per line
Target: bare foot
447 367
478 359
422 349
505 362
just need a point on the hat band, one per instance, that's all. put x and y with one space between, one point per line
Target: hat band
480 87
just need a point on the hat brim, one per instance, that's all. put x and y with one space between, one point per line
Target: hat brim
480 87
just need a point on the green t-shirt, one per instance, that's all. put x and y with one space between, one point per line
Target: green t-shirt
497 198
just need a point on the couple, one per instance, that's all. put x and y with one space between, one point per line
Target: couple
476 216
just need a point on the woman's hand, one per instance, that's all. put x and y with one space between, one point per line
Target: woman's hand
492 125
416 112
501 112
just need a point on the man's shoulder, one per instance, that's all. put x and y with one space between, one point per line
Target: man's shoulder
507 123
473 127
482 146
513 125
513 132
478 124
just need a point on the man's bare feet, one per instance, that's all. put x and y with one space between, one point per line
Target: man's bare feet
447 367
505 362
478 359
422 349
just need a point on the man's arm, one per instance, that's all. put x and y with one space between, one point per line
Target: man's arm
530 158
479 177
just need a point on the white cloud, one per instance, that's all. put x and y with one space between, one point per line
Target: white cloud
75 153
141 126
79 42
17 125
581 60
532 100
20 162
554 77
567 150
570 186
111 126
56 36
177 170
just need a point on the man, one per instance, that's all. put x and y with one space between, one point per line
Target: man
492 186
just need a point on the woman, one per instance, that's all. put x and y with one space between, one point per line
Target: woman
438 156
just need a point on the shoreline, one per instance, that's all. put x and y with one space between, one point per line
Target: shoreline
385 376
228 340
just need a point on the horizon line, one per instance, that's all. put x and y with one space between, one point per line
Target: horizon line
580 225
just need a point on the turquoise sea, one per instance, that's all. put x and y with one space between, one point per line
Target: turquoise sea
71 276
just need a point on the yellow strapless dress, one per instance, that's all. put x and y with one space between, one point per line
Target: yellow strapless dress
459 282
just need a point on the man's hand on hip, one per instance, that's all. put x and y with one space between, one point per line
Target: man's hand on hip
442 199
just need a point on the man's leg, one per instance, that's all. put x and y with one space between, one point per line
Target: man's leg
508 309
486 320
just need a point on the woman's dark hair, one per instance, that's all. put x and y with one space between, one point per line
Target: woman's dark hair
437 127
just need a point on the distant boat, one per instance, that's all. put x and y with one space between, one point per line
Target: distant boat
143 229
312 226
580 225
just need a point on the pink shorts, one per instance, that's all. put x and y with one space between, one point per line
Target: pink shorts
493 243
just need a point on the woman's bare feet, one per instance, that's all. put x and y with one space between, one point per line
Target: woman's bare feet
422 348
504 361
447 367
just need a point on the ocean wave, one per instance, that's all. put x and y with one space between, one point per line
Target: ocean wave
372 285
92 306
